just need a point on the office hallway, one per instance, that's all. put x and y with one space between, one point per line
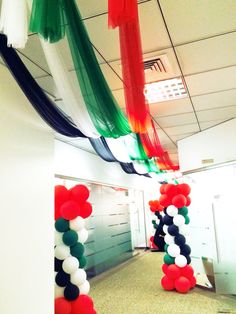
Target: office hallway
134 288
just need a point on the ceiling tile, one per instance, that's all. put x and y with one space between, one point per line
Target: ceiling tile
217 114
212 81
205 55
171 107
89 8
120 97
190 20
181 136
112 79
209 124
187 128
216 100
176 120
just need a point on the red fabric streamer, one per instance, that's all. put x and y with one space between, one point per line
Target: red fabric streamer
124 13
151 142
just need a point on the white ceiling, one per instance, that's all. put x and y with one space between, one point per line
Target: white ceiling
199 39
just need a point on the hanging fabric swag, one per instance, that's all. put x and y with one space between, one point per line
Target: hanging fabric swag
48 111
124 14
105 113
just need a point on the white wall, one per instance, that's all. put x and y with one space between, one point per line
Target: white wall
73 162
26 196
217 143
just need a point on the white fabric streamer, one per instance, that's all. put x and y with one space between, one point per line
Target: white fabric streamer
72 98
118 148
140 167
14 22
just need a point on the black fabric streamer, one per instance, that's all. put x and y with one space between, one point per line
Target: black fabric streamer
101 148
48 111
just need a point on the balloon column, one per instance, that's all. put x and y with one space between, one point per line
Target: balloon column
179 274
71 285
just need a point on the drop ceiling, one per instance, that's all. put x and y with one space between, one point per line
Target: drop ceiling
198 37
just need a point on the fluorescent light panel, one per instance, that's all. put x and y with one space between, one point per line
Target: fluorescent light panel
165 90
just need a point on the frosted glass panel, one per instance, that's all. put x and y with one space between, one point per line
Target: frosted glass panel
109 241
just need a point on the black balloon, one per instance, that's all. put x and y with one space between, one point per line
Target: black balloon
173 230
62 279
185 249
57 264
180 240
188 259
71 292
167 220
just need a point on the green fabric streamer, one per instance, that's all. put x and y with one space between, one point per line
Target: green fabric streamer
135 148
151 166
47 19
104 111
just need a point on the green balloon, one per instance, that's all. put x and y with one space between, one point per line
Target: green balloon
183 211
82 262
153 222
187 220
77 250
70 237
62 225
168 259
166 247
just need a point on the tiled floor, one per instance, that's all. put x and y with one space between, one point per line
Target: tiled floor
134 288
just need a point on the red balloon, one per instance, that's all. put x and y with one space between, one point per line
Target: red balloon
162 188
160 208
61 195
182 284
151 238
155 203
82 305
62 306
193 282
153 209
187 271
70 210
188 201
164 268
86 210
171 190
179 200
173 271
184 189
79 193
164 200
150 203
167 283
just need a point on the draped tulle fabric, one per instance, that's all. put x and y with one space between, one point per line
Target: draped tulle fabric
105 113
151 142
101 148
72 98
134 147
14 22
118 149
129 168
47 19
49 112
125 15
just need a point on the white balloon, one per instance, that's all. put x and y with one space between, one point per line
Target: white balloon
179 220
169 239
172 210
77 224
70 264
173 250
84 288
58 238
181 261
78 277
58 291
164 228
83 235
184 230
62 251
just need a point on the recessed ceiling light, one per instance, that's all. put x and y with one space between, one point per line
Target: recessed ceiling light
165 90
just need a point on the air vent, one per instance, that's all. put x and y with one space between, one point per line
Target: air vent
155 65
